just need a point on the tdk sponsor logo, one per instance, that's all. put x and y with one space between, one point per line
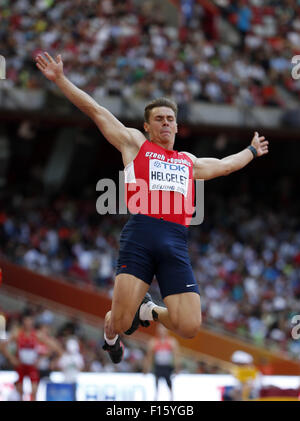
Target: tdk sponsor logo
173 167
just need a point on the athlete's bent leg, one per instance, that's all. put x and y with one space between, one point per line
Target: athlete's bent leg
129 291
182 315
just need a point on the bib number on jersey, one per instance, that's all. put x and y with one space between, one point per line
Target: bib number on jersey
28 356
168 177
164 357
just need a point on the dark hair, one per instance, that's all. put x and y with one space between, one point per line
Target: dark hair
27 313
159 102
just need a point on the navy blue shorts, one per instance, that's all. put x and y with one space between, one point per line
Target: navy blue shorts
151 246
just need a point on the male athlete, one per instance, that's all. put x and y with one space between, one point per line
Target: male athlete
27 340
163 357
153 242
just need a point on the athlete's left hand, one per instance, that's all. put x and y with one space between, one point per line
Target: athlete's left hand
260 144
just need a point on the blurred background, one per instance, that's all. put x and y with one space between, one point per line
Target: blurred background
228 64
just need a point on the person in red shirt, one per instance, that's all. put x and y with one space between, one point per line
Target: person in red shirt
152 243
163 357
27 340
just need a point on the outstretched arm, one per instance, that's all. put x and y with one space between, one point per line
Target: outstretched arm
208 168
113 130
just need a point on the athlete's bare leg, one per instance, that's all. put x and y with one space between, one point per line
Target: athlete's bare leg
129 292
182 315
34 387
19 387
156 388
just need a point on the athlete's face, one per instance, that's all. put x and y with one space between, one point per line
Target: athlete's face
162 125
28 323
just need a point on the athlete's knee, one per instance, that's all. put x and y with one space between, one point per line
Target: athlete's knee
122 324
186 324
189 330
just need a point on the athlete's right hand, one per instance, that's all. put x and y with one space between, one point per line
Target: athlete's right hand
52 69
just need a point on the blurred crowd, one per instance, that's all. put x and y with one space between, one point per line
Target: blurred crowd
247 262
74 341
246 256
82 352
269 38
125 49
